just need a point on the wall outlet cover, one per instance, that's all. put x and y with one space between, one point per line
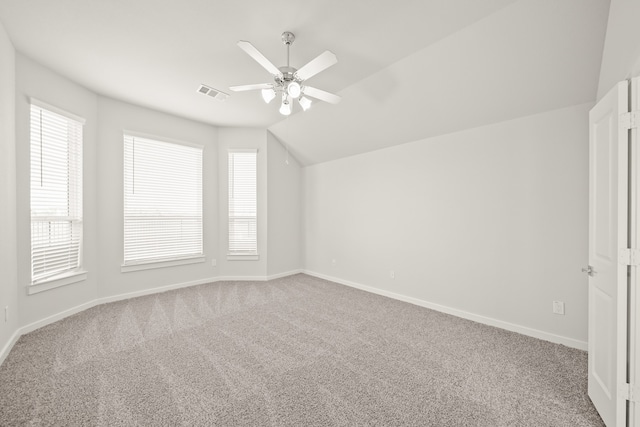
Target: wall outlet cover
558 307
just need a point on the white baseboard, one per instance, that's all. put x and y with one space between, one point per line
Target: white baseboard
55 317
112 298
285 274
40 323
242 278
258 278
159 289
524 330
9 345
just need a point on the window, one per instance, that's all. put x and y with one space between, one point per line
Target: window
162 202
56 194
243 235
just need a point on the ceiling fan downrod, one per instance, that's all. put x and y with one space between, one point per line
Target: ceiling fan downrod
288 39
287 71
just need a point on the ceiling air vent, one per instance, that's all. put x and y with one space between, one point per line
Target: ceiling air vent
214 93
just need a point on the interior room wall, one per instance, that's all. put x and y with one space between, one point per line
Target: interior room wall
35 80
621 55
230 138
489 223
114 118
8 260
106 119
284 176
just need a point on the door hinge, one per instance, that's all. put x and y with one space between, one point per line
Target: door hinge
630 120
629 392
629 256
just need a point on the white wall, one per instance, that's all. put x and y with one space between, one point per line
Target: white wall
114 117
8 260
491 221
106 119
229 138
284 209
621 55
34 80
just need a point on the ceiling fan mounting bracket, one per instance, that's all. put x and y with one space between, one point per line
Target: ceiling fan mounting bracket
288 38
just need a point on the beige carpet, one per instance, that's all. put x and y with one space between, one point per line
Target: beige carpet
297 351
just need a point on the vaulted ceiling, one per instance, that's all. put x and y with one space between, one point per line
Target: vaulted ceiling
407 69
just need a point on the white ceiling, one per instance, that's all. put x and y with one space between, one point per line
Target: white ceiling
407 69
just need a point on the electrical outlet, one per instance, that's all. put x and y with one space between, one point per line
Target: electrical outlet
392 274
558 307
214 262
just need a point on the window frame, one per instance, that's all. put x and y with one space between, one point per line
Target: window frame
239 255
74 199
153 263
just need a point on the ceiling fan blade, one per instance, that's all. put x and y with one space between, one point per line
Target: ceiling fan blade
321 95
242 88
258 57
319 63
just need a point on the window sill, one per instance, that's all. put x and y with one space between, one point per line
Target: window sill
245 257
57 281
125 268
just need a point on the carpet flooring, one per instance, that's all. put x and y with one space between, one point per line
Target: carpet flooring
297 351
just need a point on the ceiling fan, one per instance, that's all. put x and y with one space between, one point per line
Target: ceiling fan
289 82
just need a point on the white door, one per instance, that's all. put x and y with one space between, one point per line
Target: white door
608 237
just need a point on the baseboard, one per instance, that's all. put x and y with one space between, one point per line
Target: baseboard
242 278
40 323
258 278
9 345
159 289
107 299
524 330
285 274
55 317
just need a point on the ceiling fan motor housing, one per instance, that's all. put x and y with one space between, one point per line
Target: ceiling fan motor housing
287 75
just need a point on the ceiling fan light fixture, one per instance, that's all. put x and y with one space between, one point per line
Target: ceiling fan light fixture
285 108
293 89
305 103
268 95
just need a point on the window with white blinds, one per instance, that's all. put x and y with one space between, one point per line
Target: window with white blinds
162 201
56 193
243 234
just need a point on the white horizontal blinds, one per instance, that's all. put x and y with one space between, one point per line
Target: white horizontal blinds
162 200
56 193
243 236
